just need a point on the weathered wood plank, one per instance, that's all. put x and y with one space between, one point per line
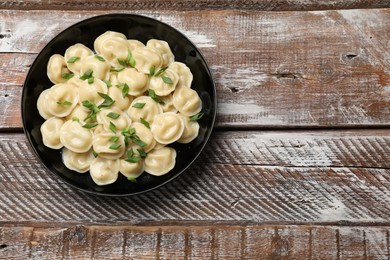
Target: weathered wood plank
266 5
262 242
242 177
272 70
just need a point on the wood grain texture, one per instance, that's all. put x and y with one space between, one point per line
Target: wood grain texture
326 177
265 5
205 242
272 69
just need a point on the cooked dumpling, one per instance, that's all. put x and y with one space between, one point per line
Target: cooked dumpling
120 102
184 73
75 137
129 167
134 44
187 101
164 49
145 135
167 127
137 81
50 130
149 109
191 130
78 162
41 105
113 115
100 69
104 171
74 56
112 46
61 99
90 92
145 58
76 81
160 87
109 145
168 104
56 68
99 129
161 161
78 113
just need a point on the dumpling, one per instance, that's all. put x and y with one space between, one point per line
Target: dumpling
164 49
160 87
147 112
100 69
76 81
137 81
108 145
112 46
106 116
61 99
75 137
145 135
50 130
167 127
120 102
104 171
41 105
184 73
74 56
56 68
134 44
187 101
161 161
90 92
131 169
79 114
191 130
168 104
78 162
145 58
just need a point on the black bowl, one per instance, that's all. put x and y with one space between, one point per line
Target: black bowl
134 27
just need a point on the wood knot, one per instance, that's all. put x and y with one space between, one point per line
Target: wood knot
2 246
280 246
77 234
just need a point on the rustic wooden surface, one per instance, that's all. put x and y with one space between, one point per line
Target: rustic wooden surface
297 168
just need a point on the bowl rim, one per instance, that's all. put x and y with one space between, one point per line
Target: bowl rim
207 137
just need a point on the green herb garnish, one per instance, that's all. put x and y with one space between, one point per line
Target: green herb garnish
139 105
91 80
160 71
100 58
132 179
196 117
113 115
153 95
115 146
108 83
76 119
64 103
114 139
94 153
87 74
142 153
167 80
73 59
152 70
90 125
145 123
116 69
112 127
67 75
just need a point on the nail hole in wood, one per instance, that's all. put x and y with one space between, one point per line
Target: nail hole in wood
2 246
2 36
234 89
351 56
6 95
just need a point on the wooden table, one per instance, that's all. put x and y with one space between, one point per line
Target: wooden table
298 166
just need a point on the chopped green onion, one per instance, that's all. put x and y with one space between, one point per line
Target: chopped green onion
112 127
94 153
153 95
167 80
160 71
130 60
105 96
73 59
196 117
64 103
125 90
139 105
137 141
67 75
91 80
132 179
90 125
100 58
152 70
87 74
114 139
113 115
145 123
142 153
108 83
133 159
75 119
116 69
115 146
122 62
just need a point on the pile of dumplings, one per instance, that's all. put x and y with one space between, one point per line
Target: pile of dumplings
114 110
